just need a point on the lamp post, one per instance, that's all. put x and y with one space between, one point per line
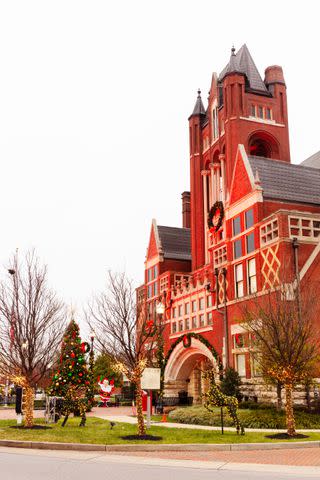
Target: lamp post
160 309
91 364
12 272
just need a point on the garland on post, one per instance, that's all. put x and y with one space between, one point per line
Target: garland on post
186 339
216 209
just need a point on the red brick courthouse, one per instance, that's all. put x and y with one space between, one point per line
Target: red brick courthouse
257 203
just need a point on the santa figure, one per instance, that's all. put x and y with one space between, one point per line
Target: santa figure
106 389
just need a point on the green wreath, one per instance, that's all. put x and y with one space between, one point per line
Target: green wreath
216 207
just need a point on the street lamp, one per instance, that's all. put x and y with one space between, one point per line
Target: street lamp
91 362
160 309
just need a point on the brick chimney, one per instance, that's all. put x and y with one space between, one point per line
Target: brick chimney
186 217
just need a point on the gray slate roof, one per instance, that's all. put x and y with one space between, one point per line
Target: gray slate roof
242 62
175 242
198 108
313 161
286 181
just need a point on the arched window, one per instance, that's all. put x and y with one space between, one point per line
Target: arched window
262 144
260 148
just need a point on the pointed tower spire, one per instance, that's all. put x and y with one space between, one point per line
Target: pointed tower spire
198 108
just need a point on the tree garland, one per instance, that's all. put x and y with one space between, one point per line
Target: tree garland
216 207
186 339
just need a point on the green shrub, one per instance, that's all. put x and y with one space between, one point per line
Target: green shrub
258 418
231 383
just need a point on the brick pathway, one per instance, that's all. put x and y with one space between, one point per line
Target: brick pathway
298 457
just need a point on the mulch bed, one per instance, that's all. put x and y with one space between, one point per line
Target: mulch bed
35 427
142 437
285 436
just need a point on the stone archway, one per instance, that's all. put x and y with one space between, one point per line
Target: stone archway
183 369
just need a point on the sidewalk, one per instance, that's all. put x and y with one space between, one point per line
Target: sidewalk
308 457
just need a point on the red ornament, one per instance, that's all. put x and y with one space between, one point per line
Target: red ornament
72 354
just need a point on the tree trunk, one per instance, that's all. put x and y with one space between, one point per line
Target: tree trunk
29 403
291 424
140 417
279 399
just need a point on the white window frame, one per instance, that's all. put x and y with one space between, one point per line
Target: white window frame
269 232
249 277
238 283
311 228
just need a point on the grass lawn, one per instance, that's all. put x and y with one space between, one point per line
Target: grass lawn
98 431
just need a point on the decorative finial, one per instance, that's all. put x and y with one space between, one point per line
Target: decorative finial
233 50
199 92
257 178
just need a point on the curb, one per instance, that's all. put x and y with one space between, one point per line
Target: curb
162 447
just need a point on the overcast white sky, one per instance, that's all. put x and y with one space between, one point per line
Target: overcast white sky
94 101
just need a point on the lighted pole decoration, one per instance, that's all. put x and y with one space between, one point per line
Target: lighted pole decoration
160 309
91 367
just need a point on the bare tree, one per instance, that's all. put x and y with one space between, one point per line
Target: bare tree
32 319
285 338
124 331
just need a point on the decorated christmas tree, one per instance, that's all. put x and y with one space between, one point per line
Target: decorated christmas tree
73 371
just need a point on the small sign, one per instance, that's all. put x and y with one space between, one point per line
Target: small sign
151 379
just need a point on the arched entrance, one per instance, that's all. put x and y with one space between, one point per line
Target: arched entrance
183 369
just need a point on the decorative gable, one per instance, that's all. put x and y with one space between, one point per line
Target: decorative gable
242 181
154 247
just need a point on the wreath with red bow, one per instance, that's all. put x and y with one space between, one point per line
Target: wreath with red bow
85 347
186 341
217 210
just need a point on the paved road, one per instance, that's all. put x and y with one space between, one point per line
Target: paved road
18 464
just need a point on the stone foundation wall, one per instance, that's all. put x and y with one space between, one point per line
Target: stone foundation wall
257 390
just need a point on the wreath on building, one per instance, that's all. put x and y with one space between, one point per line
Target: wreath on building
186 339
217 210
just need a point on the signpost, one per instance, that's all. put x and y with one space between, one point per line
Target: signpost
150 381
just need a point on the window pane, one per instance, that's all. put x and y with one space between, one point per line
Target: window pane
201 320
252 267
253 110
201 303
174 312
253 284
187 324
194 322
186 308
260 112
240 289
174 327
237 248
250 242
239 272
194 305
180 310
268 114
209 301
209 318
180 325
155 271
241 365
236 226
249 218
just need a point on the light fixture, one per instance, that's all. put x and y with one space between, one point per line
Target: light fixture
160 308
